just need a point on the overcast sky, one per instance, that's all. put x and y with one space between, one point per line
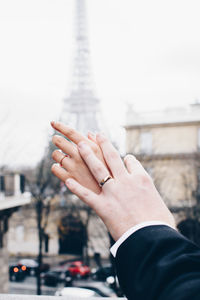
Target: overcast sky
145 52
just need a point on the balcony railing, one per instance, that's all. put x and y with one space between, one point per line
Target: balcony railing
28 297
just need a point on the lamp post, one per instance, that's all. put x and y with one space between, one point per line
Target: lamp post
39 209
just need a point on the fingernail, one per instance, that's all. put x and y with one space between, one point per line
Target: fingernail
53 123
58 137
91 133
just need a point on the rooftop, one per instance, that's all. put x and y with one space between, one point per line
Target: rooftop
189 114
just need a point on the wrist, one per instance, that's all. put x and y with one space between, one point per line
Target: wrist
118 228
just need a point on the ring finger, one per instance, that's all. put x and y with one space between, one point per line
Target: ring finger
62 159
96 167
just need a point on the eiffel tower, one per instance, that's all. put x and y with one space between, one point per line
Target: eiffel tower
82 109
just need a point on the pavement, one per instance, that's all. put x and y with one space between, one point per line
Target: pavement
29 287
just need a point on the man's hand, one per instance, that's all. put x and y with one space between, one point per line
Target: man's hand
74 166
127 199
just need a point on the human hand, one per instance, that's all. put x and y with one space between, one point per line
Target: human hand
126 200
74 166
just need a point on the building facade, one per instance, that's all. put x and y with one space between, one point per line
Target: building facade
12 197
168 145
68 224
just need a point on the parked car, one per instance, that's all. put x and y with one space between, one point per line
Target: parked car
51 278
16 272
79 269
32 266
77 292
102 273
55 276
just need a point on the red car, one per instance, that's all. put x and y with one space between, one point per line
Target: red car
78 269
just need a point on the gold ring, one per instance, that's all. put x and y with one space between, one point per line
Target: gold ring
62 159
103 181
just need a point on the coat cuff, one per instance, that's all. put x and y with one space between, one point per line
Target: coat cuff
130 231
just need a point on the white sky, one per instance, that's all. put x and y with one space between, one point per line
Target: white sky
146 52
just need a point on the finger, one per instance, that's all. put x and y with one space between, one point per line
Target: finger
59 172
92 137
69 132
66 146
111 155
63 160
96 167
132 164
83 193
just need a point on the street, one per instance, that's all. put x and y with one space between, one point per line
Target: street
28 287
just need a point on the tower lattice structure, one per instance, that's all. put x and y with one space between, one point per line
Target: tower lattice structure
82 108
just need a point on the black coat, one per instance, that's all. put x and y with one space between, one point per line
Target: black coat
158 263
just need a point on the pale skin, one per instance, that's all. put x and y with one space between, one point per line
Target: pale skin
129 198
74 166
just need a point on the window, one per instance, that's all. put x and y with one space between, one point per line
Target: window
146 143
2 184
198 185
198 139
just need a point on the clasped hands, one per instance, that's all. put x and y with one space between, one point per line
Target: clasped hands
126 200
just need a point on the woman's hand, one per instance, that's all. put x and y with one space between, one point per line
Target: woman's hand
73 166
127 199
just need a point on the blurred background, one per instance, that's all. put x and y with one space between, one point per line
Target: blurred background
128 68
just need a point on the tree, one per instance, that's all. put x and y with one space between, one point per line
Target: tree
43 187
190 226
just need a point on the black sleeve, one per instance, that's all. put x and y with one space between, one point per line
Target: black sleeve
158 263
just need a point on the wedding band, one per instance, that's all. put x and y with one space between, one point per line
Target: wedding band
103 181
62 159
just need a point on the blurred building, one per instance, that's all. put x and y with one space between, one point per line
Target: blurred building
168 145
64 234
12 197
